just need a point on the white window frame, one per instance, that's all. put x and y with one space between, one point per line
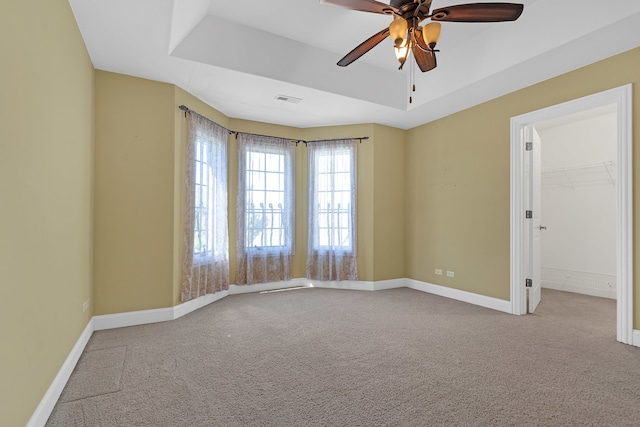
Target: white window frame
206 173
342 212
286 221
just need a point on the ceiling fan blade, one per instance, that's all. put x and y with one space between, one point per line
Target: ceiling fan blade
372 6
479 12
425 60
364 47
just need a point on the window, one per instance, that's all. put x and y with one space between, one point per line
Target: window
204 185
332 192
268 197
206 234
265 225
331 250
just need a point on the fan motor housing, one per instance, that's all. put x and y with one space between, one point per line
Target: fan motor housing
399 3
406 8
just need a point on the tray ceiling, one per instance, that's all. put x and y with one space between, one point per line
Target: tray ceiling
239 56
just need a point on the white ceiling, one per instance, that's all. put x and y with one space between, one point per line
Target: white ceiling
237 56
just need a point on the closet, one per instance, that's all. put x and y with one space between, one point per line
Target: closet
578 203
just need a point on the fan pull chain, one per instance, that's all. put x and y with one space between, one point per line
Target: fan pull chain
412 81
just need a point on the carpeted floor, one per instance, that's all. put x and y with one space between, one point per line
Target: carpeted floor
321 357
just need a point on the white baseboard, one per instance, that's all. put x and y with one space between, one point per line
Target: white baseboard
119 320
456 294
636 338
50 398
349 285
358 285
195 304
389 284
272 286
132 318
603 293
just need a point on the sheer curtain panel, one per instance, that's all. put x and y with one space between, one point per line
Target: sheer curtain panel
264 231
206 234
331 252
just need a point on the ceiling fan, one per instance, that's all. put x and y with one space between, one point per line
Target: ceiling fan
407 34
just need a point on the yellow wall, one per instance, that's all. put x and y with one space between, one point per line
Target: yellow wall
457 180
388 203
365 190
136 117
67 222
134 194
46 170
380 205
457 203
139 196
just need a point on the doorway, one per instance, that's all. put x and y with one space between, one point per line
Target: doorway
521 183
578 202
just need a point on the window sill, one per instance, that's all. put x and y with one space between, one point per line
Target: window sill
199 260
267 251
337 252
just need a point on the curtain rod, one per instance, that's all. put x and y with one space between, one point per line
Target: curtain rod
236 133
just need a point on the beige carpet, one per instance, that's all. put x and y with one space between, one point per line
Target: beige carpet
320 357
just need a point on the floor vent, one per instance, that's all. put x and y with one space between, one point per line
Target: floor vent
285 289
286 98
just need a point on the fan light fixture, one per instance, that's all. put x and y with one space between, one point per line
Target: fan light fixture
409 38
404 37
398 31
431 34
402 51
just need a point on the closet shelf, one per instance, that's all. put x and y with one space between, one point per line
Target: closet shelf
603 173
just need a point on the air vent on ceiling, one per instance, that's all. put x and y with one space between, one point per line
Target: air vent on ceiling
287 98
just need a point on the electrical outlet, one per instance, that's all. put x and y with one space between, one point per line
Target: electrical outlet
85 306
439 271
450 273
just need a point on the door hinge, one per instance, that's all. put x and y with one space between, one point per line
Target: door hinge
528 283
528 214
528 146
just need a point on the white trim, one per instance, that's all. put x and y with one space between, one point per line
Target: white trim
584 290
517 270
112 321
132 318
195 304
358 285
624 220
50 398
261 287
464 296
622 97
389 284
349 285
636 338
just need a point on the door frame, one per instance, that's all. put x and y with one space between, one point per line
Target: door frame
622 98
533 233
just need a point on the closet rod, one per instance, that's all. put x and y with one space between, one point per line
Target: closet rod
592 166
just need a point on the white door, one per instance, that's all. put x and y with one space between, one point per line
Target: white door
622 97
533 229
